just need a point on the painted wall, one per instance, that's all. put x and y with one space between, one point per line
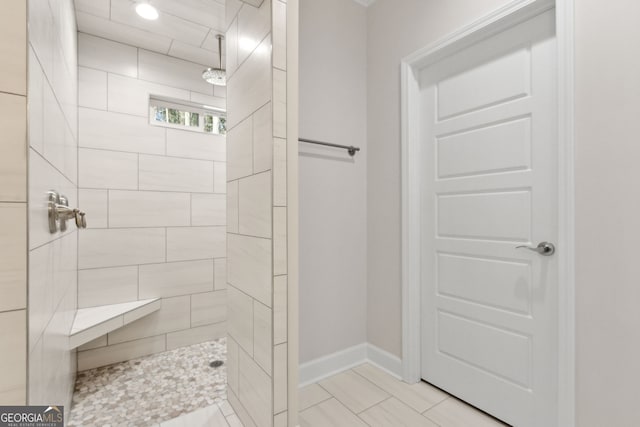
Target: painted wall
395 29
607 212
155 202
333 191
53 150
257 202
13 205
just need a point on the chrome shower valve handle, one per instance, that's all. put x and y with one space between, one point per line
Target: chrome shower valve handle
543 248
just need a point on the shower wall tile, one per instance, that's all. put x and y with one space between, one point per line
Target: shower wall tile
173 316
119 132
279 172
220 273
97 203
187 243
131 96
196 335
208 209
280 378
174 174
137 178
240 318
231 40
107 169
103 286
92 88
155 67
253 25
232 207
107 55
249 266
255 390
254 205
279 35
194 145
13 49
250 86
279 103
208 308
279 241
262 336
233 351
124 351
53 278
175 279
279 309
262 139
119 247
13 162
219 177
13 256
13 357
148 209
240 150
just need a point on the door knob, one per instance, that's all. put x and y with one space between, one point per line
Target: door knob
543 248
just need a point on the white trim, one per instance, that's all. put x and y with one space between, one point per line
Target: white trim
511 14
331 364
365 3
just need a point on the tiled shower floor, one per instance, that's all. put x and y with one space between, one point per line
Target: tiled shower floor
149 390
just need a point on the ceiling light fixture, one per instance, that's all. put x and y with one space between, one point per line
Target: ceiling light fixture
216 76
146 11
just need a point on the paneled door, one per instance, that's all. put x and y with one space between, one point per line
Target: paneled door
489 185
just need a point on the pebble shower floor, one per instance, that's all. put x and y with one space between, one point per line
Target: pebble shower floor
152 389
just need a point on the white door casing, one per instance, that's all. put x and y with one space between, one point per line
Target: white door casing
489 183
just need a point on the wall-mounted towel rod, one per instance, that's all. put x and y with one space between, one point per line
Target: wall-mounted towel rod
350 148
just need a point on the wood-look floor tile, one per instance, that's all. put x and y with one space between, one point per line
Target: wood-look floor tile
354 391
329 413
311 395
455 413
394 413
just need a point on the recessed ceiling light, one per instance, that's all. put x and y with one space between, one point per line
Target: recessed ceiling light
147 11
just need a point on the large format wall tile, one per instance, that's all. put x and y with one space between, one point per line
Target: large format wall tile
13 48
13 357
119 247
249 266
96 205
209 307
163 69
13 162
176 278
208 209
120 352
106 55
131 96
120 132
255 391
103 286
240 318
108 169
194 145
254 204
185 243
148 209
92 88
240 150
173 174
13 256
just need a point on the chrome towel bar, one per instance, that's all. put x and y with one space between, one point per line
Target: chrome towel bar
350 148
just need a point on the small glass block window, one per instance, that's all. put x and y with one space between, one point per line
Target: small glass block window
187 117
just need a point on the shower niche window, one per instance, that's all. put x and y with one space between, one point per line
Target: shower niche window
187 117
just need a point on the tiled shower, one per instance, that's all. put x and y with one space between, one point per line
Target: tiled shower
197 223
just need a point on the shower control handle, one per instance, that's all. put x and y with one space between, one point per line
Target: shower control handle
60 213
543 248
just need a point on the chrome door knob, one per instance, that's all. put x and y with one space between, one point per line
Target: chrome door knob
543 248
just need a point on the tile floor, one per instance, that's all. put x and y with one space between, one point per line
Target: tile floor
361 397
153 389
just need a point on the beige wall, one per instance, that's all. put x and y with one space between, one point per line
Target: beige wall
333 203
395 29
607 212
13 205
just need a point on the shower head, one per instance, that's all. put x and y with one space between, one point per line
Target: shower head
216 76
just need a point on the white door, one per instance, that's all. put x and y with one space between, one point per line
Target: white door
489 184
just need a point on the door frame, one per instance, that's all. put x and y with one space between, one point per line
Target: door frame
509 15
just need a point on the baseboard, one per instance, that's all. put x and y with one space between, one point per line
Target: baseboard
331 364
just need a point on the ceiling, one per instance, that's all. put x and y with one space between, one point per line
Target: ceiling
186 29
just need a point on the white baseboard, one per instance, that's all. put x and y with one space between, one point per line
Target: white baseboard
331 364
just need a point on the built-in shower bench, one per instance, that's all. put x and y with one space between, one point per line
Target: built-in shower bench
93 322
